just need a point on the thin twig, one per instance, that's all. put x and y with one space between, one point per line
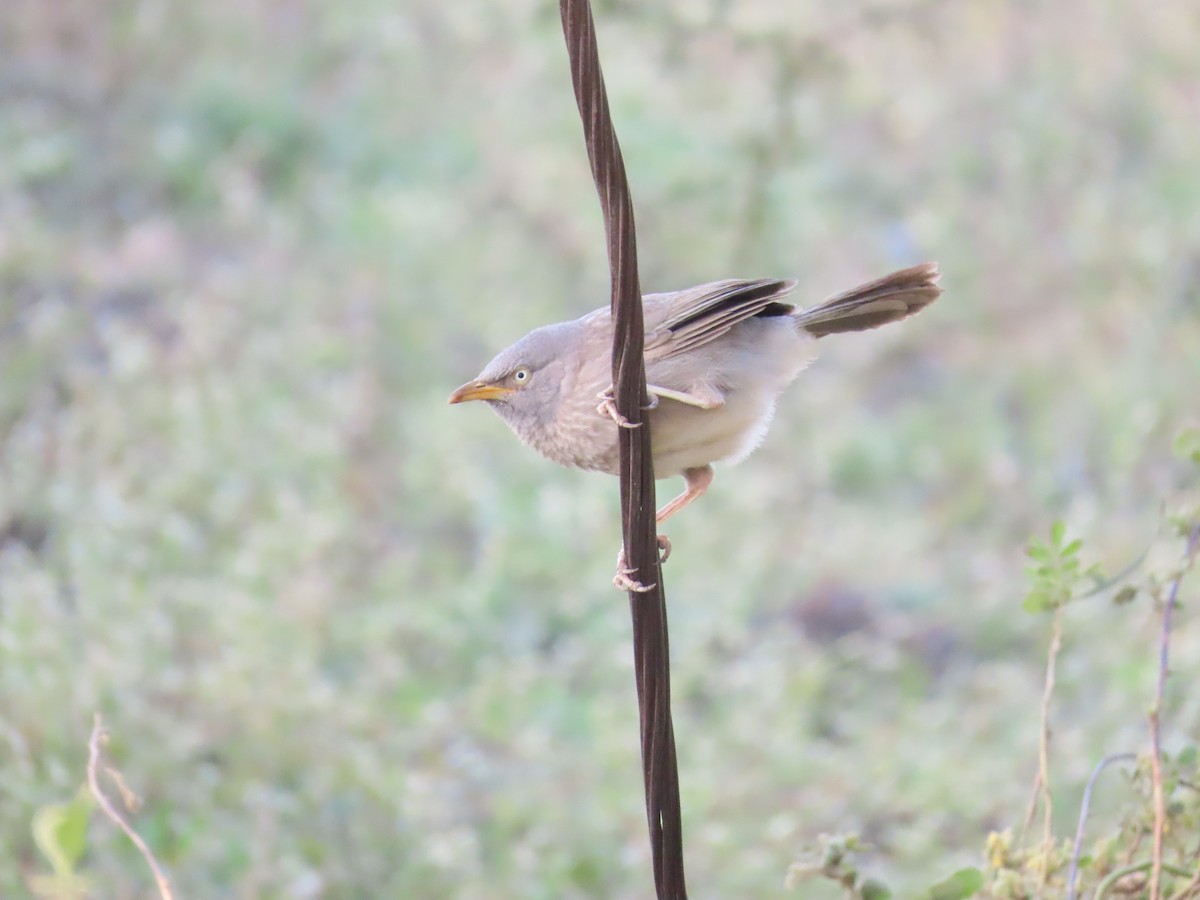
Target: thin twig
1116 875
1083 814
1191 889
98 738
1156 774
1034 796
1104 584
1041 784
1044 750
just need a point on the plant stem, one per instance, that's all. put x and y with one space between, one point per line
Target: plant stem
1083 814
1116 875
1041 784
1156 773
99 736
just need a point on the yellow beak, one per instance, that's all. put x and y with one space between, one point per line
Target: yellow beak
478 390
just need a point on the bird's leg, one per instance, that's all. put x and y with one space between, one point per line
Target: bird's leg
696 482
701 396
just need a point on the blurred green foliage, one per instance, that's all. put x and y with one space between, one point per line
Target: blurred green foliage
1121 861
60 830
351 642
1056 571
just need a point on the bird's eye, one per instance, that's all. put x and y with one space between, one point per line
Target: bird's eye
521 375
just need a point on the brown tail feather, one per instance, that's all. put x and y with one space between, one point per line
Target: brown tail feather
888 299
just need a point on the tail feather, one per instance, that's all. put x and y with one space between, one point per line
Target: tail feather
888 299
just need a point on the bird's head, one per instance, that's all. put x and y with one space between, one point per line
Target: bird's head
523 384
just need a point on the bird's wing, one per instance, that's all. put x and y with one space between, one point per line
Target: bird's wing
684 320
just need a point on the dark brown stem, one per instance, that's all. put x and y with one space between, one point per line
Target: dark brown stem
648 609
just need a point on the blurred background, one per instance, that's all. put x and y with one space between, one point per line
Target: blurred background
352 642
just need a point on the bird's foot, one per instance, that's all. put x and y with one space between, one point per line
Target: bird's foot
664 548
608 407
624 580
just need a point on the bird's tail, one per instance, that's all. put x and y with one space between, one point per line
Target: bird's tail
888 299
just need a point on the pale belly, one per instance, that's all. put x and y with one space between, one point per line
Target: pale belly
758 361
684 437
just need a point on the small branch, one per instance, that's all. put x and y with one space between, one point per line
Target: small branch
1156 773
1083 814
1036 795
1044 749
100 737
1116 875
1041 784
1103 585
1191 889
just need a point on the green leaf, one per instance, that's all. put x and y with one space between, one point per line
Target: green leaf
962 884
60 831
1182 524
1187 444
1038 602
874 890
1072 548
1057 531
1188 756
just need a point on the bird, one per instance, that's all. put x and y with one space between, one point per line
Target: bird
717 358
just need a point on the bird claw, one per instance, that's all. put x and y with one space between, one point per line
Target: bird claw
624 581
664 548
608 407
